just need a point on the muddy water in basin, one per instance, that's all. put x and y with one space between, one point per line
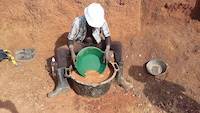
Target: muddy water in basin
92 76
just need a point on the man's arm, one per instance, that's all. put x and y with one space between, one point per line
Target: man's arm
106 33
108 42
71 48
71 37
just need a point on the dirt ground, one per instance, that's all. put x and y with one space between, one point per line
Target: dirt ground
166 29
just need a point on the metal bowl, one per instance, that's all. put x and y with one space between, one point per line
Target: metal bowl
156 67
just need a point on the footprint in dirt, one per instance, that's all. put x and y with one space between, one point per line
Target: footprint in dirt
164 94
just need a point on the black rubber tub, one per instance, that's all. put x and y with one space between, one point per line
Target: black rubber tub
95 89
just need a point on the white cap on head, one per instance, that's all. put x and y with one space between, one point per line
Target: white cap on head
94 15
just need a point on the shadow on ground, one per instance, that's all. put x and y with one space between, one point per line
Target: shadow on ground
61 41
9 106
164 94
195 14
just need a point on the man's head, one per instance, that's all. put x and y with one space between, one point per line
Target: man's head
94 15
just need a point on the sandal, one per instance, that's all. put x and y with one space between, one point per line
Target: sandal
25 54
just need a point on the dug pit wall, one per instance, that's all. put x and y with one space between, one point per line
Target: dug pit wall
36 23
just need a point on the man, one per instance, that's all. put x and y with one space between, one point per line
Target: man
88 30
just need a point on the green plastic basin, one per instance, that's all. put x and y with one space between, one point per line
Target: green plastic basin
90 58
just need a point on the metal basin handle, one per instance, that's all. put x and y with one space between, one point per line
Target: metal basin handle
115 66
68 71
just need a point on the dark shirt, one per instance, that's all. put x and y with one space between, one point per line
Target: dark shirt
89 38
